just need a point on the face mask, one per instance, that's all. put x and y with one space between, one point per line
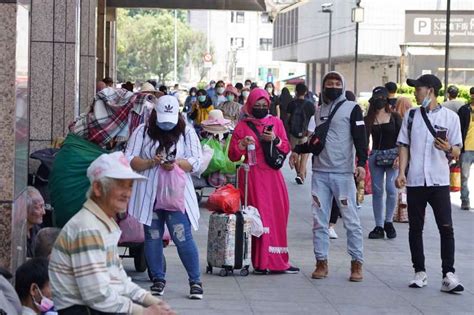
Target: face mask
193 93
332 93
230 98
426 101
202 98
379 103
259 113
220 90
45 303
245 94
247 86
166 126
213 85
269 90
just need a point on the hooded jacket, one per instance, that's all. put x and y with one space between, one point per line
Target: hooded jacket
345 137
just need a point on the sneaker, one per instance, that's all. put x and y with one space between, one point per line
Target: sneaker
196 291
420 280
158 287
465 205
260 272
299 180
389 230
332 233
377 233
451 283
292 270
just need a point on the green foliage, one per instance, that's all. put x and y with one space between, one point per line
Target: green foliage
409 91
145 44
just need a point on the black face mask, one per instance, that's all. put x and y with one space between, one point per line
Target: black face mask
379 103
259 113
332 93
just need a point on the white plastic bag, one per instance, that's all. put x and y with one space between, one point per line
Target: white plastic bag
256 227
207 153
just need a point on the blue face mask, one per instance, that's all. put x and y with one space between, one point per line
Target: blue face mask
426 101
166 126
202 98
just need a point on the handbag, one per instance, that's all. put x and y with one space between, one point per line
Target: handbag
317 141
170 191
273 156
385 158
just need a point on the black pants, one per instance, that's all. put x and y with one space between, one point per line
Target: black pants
83 310
439 199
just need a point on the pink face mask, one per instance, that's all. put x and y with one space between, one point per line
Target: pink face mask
45 304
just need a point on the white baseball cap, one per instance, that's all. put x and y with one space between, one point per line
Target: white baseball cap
114 165
167 109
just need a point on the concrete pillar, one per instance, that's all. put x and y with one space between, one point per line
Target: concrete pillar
313 75
14 135
111 43
101 39
87 60
54 55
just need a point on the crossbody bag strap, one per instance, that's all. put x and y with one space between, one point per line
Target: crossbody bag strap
427 122
254 129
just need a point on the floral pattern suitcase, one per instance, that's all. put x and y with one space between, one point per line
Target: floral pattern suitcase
229 243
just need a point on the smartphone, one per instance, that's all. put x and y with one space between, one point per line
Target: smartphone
442 134
269 128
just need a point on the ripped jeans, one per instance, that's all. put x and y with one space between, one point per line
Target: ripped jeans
341 186
180 231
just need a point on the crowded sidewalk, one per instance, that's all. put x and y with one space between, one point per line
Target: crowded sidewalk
384 290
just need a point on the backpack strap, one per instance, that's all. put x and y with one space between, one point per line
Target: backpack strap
411 116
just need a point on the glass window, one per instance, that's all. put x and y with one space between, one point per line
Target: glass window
239 71
237 17
237 42
264 18
265 43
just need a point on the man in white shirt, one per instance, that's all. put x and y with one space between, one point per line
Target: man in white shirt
429 137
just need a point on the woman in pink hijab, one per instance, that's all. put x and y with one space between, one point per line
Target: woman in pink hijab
266 187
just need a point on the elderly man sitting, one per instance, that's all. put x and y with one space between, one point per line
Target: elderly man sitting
34 217
86 273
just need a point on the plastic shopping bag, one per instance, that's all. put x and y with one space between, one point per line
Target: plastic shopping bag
132 230
207 153
256 225
225 199
170 192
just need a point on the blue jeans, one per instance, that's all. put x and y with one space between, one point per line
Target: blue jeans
180 231
467 159
341 186
378 173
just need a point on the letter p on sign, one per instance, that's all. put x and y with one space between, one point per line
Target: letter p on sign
422 26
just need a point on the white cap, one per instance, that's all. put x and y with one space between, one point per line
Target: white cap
114 165
167 109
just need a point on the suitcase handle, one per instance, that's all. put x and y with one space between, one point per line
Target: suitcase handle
246 168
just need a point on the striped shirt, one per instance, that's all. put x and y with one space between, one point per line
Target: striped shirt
85 268
143 197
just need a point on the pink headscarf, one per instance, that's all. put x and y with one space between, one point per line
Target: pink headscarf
254 96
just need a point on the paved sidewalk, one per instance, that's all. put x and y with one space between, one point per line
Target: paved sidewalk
387 270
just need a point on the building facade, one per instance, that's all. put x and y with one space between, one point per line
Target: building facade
301 34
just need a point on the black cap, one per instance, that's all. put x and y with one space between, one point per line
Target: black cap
426 80
471 90
380 91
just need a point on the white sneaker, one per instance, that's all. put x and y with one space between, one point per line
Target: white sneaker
451 283
420 280
332 233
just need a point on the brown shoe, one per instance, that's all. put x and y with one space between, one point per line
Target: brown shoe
321 270
356 271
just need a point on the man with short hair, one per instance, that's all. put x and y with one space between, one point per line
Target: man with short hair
45 240
429 138
299 113
466 116
452 103
86 273
334 171
392 94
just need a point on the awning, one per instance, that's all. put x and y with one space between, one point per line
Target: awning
244 5
294 80
425 51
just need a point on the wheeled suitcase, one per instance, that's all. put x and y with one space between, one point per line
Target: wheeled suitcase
229 240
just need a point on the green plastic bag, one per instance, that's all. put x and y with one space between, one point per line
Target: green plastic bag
220 160
68 183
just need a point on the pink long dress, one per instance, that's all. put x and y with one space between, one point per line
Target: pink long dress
267 192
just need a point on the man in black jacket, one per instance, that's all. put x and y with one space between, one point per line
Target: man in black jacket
466 116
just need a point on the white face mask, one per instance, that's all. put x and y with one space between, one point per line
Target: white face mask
220 90
269 90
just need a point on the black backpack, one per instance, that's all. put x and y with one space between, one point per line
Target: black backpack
298 120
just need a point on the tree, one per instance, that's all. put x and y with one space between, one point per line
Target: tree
145 47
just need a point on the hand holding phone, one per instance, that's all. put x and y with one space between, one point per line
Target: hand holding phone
441 134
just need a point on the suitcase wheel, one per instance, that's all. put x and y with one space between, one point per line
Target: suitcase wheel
209 269
224 272
244 272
